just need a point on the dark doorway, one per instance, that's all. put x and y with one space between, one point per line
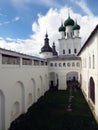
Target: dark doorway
51 83
92 90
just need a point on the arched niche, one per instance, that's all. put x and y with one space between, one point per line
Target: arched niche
15 112
41 85
2 111
19 89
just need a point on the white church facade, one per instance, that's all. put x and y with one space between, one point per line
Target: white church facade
24 79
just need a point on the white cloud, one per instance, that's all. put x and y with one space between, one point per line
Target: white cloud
51 21
4 23
16 19
50 3
8 22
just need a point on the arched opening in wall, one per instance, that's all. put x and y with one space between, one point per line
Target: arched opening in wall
80 80
72 80
41 86
30 99
46 83
21 95
92 90
15 110
53 80
34 90
31 90
2 111
38 93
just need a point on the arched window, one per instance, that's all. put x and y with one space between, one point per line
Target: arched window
93 61
64 64
71 34
92 90
73 64
51 64
63 51
69 51
78 64
67 34
68 64
55 64
89 62
75 50
59 64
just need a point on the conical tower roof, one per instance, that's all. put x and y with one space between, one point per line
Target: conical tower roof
46 47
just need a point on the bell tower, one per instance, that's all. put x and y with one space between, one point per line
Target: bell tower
70 42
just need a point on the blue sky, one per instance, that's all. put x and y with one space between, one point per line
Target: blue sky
23 22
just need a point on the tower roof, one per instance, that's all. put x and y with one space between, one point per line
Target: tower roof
69 21
46 47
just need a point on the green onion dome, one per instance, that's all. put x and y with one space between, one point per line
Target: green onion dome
76 27
69 21
62 28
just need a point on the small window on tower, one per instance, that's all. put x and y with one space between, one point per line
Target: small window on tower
63 51
73 64
51 64
78 64
59 64
93 57
68 35
55 64
75 50
71 34
69 51
64 64
68 64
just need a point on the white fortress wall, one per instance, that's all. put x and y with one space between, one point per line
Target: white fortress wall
20 86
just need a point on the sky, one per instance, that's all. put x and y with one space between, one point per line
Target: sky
23 23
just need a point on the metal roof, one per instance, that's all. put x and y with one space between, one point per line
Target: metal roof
89 38
65 57
17 54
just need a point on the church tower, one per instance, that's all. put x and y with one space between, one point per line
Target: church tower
70 42
46 50
54 50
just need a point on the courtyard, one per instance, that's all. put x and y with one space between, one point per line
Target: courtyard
57 110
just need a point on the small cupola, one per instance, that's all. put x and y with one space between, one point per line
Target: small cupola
76 29
76 26
61 28
69 22
54 50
